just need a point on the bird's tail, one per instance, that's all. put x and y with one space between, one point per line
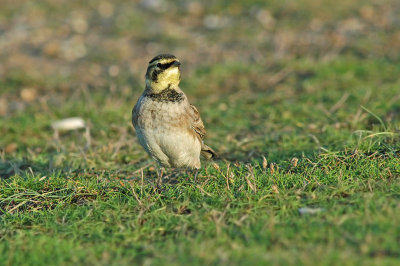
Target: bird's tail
207 152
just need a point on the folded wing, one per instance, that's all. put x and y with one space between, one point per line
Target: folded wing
197 127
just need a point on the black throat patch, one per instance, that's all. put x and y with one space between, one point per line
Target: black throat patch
167 95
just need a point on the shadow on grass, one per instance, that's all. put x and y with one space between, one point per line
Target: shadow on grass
278 157
42 166
10 167
14 167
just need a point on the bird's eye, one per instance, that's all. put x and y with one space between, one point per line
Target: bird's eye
158 65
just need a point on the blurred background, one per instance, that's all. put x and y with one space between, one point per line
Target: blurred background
270 78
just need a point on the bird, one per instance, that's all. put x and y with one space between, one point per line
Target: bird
167 126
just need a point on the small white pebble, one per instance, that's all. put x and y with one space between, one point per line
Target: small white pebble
69 124
308 210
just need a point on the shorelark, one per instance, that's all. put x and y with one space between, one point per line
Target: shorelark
168 127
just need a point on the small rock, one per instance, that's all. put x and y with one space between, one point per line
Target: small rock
309 210
69 124
10 147
28 94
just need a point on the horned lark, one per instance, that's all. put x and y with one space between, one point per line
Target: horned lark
168 127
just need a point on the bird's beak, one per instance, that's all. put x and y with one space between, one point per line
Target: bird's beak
177 63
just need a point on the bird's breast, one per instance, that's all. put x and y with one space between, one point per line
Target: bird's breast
152 114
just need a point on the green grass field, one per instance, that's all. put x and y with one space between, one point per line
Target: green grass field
300 98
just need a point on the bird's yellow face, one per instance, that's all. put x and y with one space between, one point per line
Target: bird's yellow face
163 73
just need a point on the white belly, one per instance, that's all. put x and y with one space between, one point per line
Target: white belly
171 148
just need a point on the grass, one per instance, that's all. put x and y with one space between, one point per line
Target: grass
236 213
303 107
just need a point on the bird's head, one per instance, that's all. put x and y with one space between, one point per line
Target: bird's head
163 72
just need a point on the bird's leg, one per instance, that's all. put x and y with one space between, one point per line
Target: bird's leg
195 175
160 175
